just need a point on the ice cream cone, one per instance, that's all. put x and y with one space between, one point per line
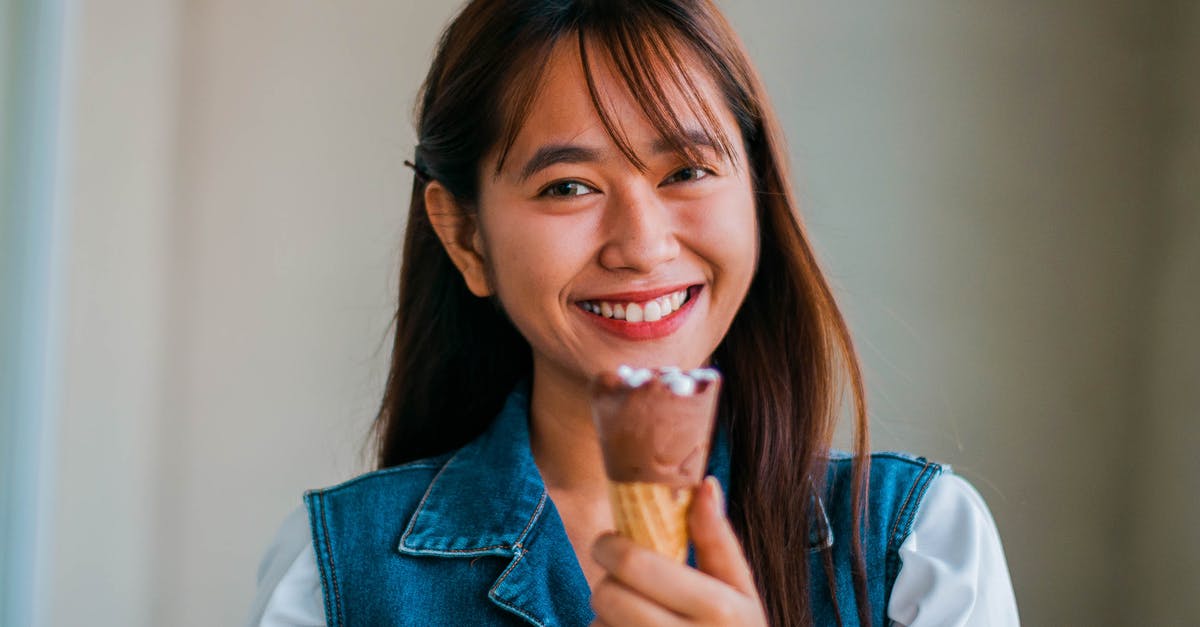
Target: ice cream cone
653 515
654 428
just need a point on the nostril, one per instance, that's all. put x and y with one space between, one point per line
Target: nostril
639 255
640 236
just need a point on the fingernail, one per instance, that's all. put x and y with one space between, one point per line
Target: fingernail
714 491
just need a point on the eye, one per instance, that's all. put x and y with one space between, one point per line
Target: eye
689 173
565 189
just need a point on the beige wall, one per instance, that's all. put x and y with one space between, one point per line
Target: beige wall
979 180
1165 508
292 192
120 156
985 184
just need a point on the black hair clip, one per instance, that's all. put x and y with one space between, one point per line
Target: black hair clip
419 172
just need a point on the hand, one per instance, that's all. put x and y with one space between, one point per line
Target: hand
645 588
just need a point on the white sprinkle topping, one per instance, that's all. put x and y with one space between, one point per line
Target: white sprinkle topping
634 377
680 383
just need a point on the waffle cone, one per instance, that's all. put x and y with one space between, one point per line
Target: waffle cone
653 515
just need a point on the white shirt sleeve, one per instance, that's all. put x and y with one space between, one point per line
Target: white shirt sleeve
289 586
953 572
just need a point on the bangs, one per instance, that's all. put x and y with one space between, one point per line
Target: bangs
656 63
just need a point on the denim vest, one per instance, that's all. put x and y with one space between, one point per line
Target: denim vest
471 537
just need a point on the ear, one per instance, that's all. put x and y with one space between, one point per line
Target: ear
459 233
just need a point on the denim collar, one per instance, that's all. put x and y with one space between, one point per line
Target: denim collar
450 521
457 516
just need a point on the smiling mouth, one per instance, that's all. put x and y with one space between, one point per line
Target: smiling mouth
647 311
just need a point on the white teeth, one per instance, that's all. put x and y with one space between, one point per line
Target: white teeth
649 311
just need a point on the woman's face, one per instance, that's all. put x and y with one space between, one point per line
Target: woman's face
599 264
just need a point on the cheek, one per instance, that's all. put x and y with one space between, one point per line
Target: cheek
532 259
727 233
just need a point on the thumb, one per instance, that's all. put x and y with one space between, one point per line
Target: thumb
718 552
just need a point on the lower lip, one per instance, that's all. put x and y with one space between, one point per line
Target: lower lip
646 330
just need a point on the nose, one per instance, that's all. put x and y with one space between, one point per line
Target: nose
640 233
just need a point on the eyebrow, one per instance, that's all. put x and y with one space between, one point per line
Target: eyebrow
692 138
553 154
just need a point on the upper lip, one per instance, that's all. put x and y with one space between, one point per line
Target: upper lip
638 296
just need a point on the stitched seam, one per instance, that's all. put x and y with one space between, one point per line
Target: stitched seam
920 486
912 517
520 554
311 500
891 558
904 507
503 576
482 549
337 593
471 551
318 537
421 506
916 505
529 525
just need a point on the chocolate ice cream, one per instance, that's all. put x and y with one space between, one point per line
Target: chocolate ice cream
655 425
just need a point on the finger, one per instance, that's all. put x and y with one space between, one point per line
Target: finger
617 604
674 586
718 552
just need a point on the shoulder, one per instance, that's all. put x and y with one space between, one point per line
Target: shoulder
890 463
289 588
364 515
887 467
953 566
410 476
897 485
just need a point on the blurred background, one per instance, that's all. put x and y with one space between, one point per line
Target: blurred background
202 209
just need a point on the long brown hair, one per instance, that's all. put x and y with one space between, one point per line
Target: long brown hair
787 357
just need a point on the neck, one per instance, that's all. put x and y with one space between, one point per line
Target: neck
562 436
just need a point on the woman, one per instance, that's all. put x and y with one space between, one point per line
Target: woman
578 160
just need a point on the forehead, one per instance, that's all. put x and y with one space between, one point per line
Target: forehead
592 97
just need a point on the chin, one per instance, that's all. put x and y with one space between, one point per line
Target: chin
654 358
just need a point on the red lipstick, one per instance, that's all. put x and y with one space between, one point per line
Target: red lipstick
640 331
